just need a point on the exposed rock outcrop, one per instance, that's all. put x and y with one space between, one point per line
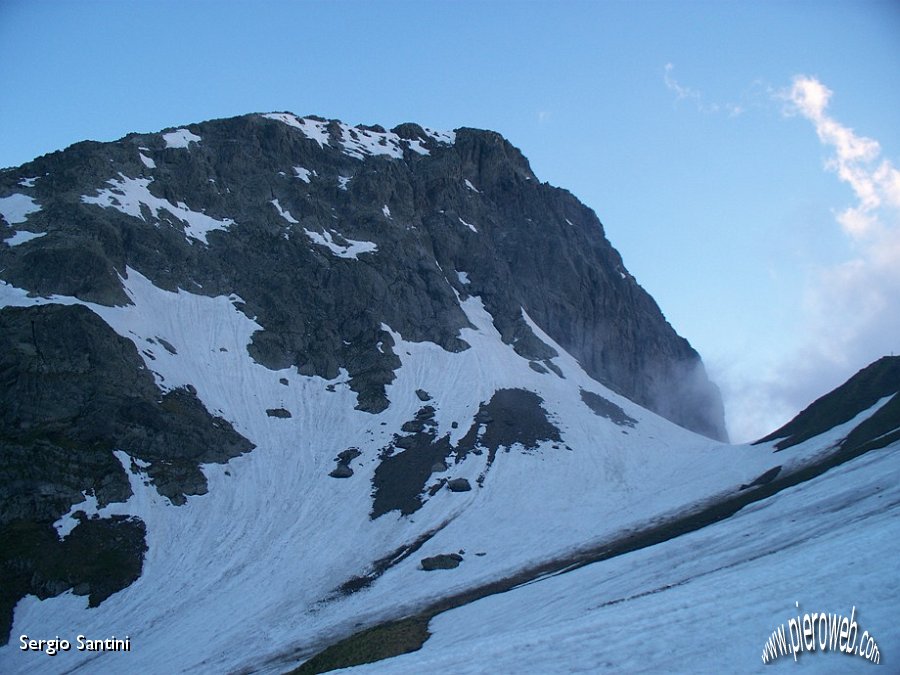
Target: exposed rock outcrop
443 561
71 393
459 485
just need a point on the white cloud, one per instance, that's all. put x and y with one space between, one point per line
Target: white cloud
855 160
853 299
683 93
850 312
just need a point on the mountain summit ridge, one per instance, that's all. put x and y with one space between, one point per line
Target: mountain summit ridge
262 202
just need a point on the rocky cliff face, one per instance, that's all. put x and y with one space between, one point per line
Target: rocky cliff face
328 232
74 392
334 239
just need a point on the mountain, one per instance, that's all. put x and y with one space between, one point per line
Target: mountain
327 232
271 381
877 381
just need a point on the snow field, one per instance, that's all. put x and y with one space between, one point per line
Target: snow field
245 575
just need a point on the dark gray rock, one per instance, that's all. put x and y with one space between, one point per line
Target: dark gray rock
168 346
401 477
406 442
348 455
413 426
425 413
537 367
512 416
444 561
341 471
281 413
606 408
459 485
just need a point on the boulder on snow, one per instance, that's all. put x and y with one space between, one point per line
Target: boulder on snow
348 455
413 426
341 471
459 485
444 561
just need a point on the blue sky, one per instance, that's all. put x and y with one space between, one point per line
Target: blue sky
761 212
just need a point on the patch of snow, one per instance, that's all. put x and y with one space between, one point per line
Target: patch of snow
416 146
343 181
358 142
128 194
386 211
469 225
67 521
21 236
283 213
446 137
28 182
149 163
312 129
569 222
463 278
303 174
180 138
472 187
353 248
285 118
17 207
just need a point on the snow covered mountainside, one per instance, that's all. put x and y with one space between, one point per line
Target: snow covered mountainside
272 381
707 592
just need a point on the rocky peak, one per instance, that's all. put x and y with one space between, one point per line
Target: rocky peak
330 232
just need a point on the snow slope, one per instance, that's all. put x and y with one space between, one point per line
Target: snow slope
180 138
703 602
129 195
246 576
